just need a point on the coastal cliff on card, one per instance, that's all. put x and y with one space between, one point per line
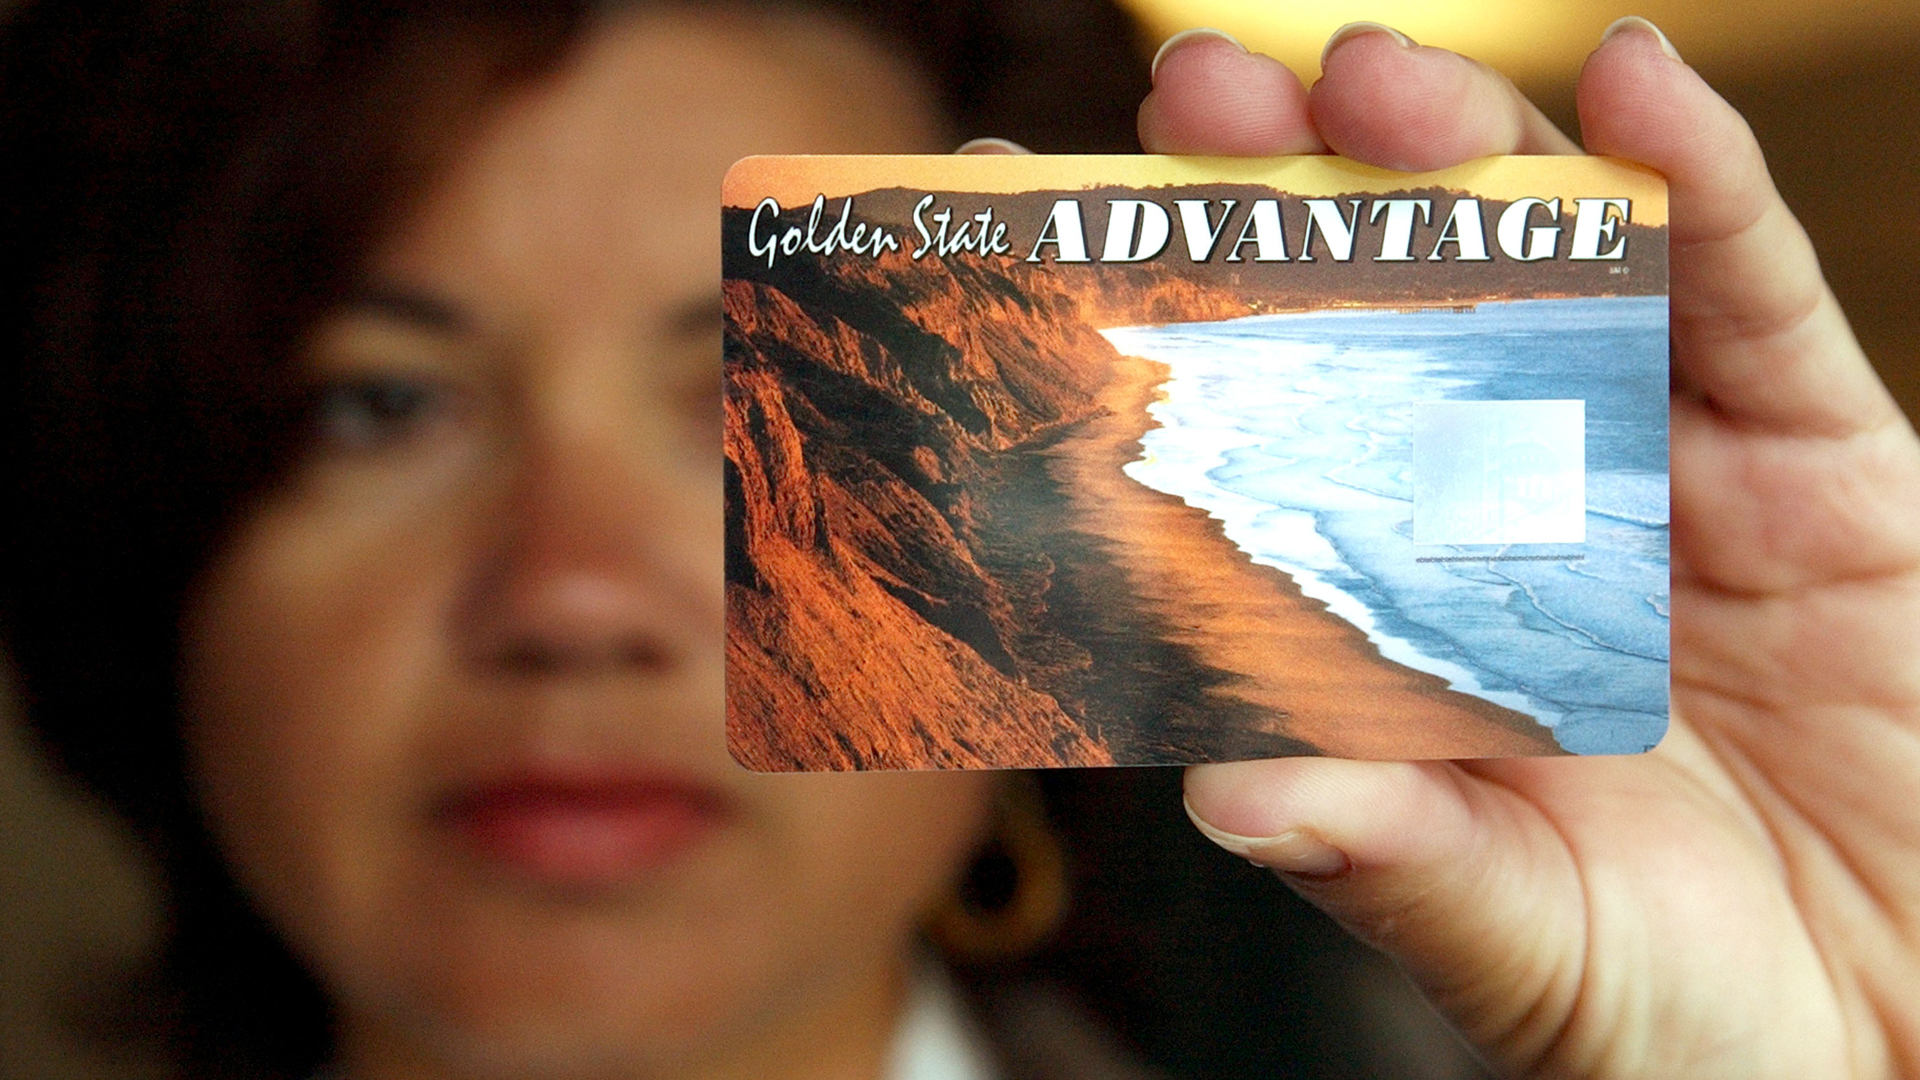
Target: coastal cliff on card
862 397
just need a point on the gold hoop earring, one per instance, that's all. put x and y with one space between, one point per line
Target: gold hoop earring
1014 893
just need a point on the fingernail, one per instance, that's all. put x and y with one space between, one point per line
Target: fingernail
1635 22
1355 29
1296 852
990 145
1188 35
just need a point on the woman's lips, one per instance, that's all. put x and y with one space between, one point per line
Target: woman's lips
584 832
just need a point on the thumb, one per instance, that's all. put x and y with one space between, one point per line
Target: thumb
1468 887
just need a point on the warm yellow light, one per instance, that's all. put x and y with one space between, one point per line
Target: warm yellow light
1537 41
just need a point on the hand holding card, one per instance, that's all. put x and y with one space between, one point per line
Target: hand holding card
1739 902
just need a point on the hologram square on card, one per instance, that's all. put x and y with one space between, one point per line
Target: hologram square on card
1499 472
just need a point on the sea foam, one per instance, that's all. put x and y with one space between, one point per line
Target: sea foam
1296 432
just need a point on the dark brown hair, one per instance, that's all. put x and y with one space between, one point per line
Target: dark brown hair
187 186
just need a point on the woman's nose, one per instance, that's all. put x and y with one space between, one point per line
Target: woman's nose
601 559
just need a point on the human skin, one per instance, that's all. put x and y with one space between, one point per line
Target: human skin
1744 901
455 686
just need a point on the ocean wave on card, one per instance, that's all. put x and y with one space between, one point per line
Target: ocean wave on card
1295 431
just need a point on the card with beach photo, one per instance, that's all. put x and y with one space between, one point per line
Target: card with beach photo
1066 461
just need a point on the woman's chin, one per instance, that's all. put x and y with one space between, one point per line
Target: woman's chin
528 936
564 990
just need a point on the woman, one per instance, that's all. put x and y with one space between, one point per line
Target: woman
404 489
444 524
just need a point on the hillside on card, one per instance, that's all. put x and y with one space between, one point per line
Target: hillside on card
863 629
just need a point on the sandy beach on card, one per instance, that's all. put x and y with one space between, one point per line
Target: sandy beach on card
1282 660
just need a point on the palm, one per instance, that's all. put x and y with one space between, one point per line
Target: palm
1724 893
1745 901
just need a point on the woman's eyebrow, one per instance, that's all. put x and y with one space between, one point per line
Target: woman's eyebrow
407 304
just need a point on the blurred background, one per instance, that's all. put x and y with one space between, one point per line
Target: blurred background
1832 89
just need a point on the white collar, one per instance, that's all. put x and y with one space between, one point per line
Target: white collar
937 1039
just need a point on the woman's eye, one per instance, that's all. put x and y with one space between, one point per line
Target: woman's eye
375 412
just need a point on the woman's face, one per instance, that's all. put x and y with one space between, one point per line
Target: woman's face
455 689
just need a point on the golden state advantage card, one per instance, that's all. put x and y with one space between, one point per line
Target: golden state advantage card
1060 461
